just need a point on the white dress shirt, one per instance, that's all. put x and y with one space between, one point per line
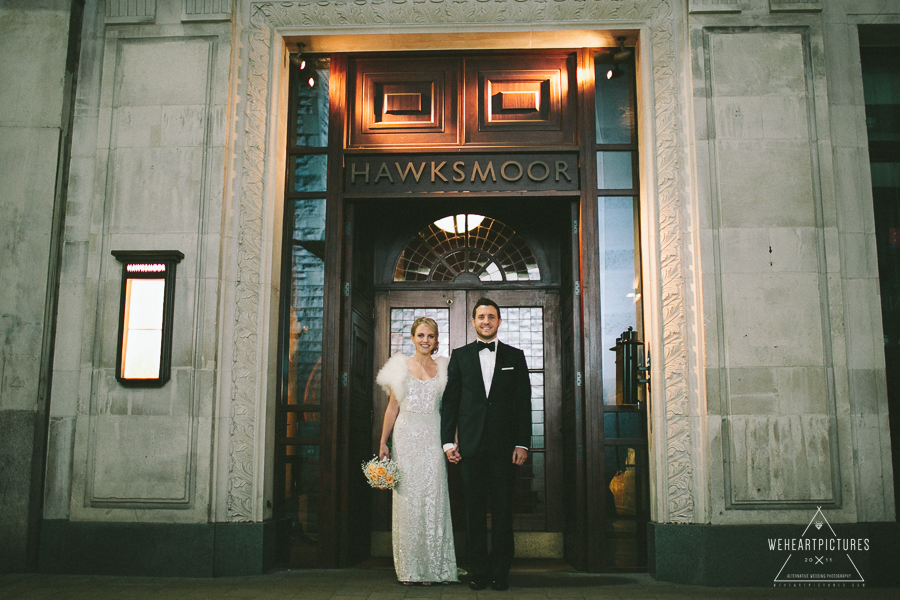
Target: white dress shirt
488 361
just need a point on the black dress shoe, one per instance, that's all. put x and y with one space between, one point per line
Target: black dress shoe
478 584
500 585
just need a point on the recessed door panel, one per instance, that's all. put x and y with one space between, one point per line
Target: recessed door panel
401 102
521 100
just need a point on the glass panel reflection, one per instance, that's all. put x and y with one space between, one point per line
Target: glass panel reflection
403 318
614 104
620 281
306 304
310 173
626 505
614 171
621 425
312 105
301 500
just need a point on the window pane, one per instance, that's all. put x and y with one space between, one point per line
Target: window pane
301 500
312 105
310 173
467 243
306 304
614 171
402 320
613 105
620 281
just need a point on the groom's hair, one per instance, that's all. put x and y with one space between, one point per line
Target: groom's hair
486 302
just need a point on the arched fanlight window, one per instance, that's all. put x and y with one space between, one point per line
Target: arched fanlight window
467 247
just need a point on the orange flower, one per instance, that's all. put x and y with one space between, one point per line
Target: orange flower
389 479
372 468
381 471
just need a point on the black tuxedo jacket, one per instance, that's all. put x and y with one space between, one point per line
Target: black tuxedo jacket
487 424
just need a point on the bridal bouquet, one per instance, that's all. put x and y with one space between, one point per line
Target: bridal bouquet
382 474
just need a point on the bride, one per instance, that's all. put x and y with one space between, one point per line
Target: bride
421 529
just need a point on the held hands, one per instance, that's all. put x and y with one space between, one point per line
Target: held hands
383 452
453 454
519 456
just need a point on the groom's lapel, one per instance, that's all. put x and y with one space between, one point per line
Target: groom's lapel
476 368
498 363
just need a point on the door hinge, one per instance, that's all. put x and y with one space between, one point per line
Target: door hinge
577 288
348 227
578 379
574 226
346 289
345 379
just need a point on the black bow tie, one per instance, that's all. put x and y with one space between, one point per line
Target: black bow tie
483 345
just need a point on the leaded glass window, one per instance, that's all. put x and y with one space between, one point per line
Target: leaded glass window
467 244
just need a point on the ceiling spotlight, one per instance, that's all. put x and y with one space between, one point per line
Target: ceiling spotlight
622 55
298 62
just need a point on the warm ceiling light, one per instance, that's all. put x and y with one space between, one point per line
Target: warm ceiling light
459 223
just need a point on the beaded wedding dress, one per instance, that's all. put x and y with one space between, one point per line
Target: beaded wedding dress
422 532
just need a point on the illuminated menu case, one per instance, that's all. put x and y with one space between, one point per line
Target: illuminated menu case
146 315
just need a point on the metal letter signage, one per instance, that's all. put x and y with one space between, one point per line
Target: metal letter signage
423 173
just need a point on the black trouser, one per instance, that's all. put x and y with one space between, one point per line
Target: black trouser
482 477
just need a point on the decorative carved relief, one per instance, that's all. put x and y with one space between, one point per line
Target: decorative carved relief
206 10
130 11
242 445
374 14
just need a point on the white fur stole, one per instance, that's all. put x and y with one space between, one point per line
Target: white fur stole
392 376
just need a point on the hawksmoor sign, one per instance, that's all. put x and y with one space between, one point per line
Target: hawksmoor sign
417 173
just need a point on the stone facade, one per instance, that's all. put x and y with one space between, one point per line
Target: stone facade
760 279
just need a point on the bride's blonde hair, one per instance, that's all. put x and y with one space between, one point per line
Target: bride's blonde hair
431 324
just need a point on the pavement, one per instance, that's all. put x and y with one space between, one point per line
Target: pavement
381 584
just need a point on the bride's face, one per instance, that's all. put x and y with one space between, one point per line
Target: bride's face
424 339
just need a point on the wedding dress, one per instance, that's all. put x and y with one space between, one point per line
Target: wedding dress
421 528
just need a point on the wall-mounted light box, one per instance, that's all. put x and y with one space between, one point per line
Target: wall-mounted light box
147 308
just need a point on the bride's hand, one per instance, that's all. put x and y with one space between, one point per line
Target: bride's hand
384 452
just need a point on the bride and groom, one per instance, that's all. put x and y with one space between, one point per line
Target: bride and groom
476 408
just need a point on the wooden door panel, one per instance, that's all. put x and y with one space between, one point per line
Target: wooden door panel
401 102
530 102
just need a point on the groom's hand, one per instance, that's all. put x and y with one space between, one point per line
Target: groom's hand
453 455
519 456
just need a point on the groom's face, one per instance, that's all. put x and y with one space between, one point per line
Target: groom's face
486 322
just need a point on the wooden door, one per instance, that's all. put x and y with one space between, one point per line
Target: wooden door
395 312
530 322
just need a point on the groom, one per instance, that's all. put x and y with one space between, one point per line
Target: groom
488 398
